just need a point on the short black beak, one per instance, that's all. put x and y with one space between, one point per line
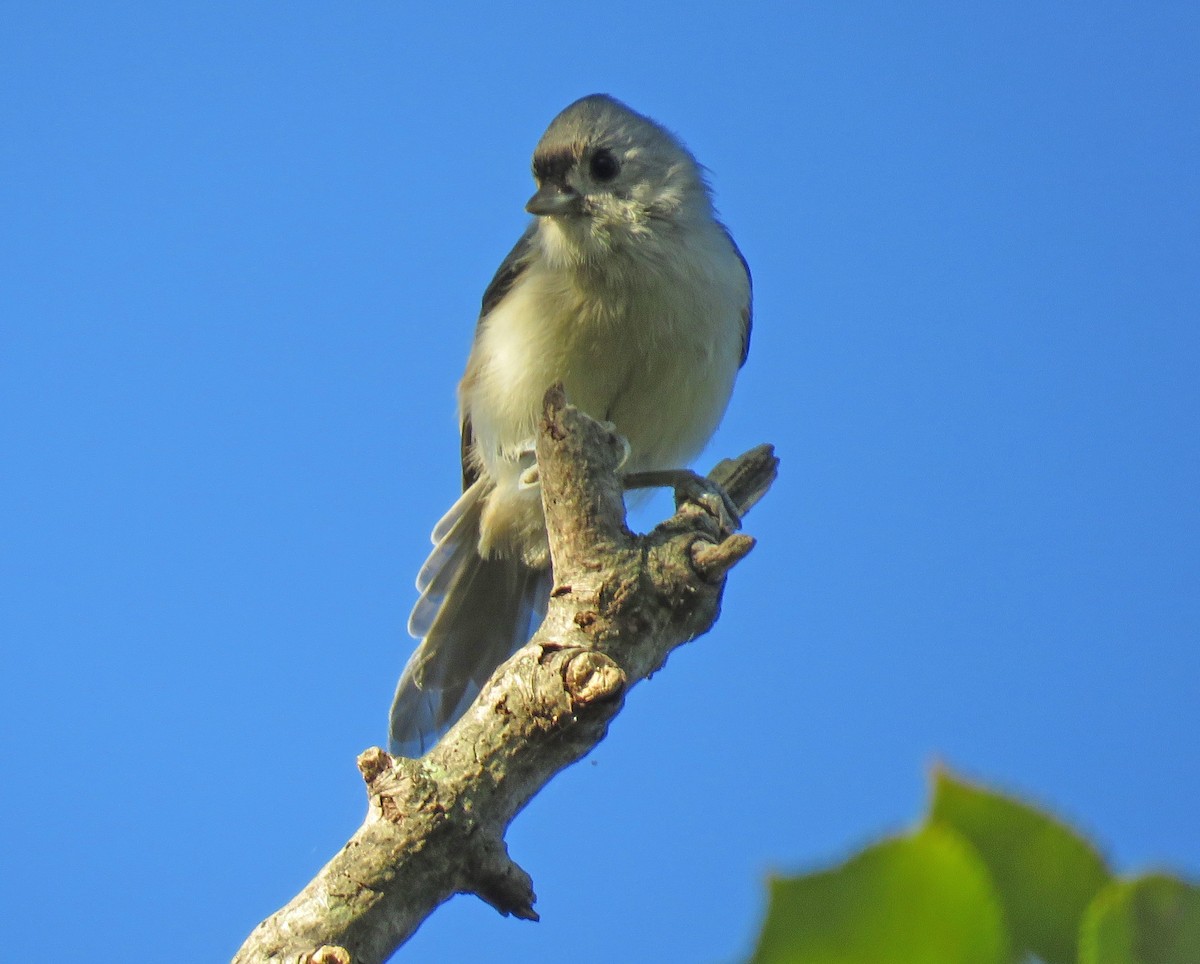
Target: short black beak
553 199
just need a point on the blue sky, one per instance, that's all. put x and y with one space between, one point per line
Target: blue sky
242 253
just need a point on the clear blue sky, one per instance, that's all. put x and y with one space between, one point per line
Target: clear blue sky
241 253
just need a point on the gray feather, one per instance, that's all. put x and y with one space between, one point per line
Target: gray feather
473 613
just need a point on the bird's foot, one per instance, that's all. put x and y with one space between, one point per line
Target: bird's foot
527 459
692 489
626 448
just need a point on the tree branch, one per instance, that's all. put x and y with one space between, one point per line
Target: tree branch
621 602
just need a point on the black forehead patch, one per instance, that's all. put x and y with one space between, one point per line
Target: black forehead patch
553 165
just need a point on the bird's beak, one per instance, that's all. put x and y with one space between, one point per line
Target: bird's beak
554 199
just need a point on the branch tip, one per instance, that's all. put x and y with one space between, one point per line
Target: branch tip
713 560
372 762
498 880
554 403
747 478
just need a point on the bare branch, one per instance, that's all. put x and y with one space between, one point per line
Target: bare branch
621 602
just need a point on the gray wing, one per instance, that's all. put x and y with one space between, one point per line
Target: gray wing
748 311
511 268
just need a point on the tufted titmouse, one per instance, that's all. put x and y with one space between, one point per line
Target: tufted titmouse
627 289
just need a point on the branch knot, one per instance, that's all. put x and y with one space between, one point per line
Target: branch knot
591 677
328 954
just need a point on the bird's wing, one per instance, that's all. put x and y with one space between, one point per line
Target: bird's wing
511 268
748 310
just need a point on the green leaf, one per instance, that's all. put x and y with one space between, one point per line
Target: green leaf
1044 873
1151 920
923 899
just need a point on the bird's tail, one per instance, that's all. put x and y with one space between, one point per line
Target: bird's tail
473 613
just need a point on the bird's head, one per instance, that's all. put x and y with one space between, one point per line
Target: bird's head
608 177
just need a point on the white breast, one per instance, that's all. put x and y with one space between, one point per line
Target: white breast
651 345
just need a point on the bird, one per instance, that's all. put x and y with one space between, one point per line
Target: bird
627 289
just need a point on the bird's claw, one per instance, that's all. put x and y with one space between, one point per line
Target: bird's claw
626 448
693 489
527 458
712 499
529 478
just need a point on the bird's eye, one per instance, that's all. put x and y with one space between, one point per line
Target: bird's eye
603 165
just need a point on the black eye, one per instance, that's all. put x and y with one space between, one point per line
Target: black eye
603 165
